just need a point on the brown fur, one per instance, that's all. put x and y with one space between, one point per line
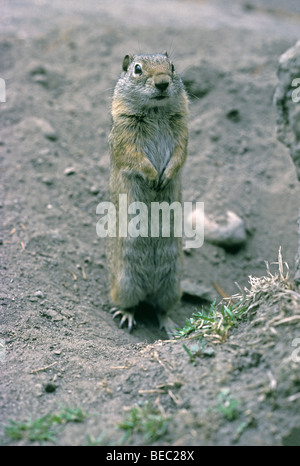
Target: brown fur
148 147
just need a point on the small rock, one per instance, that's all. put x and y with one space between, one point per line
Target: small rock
45 127
287 101
187 251
47 130
94 190
194 292
48 181
69 171
39 294
227 231
285 98
38 389
209 352
51 314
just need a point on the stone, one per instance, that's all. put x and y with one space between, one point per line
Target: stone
195 292
52 315
69 171
226 230
287 102
94 190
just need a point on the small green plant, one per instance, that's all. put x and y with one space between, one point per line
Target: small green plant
198 349
228 406
149 420
43 429
97 442
214 323
193 352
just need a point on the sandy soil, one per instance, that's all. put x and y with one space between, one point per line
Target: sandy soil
60 62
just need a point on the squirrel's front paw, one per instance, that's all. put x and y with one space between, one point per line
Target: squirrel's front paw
125 316
162 183
149 172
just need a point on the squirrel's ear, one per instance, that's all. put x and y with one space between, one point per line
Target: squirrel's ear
126 62
165 53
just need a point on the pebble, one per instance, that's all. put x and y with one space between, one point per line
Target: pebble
48 181
47 129
51 314
192 291
227 230
287 103
94 190
286 96
69 171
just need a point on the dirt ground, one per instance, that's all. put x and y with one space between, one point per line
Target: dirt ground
60 62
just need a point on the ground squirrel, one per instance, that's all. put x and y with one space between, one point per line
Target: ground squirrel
148 147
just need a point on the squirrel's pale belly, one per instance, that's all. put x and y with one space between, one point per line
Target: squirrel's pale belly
159 146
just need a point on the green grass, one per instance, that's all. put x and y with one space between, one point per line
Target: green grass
214 323
146 419
97 442
228 406
43 429
197 350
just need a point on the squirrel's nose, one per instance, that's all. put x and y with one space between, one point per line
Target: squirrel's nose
162 84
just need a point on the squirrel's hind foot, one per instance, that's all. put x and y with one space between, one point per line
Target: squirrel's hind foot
168 325
126 315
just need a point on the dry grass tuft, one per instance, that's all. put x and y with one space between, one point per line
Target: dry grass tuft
270 289
265 292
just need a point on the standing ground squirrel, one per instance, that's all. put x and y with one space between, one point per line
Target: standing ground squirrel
148 147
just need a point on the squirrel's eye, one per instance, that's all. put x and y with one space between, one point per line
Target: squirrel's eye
138 69
172 68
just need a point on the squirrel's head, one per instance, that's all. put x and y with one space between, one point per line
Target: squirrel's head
149 81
